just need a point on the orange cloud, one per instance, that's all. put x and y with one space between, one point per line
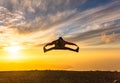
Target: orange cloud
108 38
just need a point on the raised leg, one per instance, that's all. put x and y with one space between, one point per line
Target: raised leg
45 50
76 50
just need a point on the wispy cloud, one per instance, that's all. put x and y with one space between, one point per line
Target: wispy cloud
41 21
108 38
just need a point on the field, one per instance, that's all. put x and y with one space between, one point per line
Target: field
58 76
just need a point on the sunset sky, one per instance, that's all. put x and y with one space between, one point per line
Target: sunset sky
27 25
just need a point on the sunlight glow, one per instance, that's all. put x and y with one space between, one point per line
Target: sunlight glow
14 52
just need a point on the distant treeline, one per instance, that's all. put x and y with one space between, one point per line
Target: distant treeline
58 76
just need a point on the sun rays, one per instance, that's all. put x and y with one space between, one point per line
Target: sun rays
14 52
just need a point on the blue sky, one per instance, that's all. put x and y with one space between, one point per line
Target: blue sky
89 23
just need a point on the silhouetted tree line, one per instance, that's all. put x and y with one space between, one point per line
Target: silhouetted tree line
59 77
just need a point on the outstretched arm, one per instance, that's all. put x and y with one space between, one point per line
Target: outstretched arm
77 49
70 43
48 45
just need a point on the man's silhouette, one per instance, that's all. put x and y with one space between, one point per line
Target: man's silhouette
60 44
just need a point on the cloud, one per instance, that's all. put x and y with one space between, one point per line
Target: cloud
108 38
41 21
93 37
10 18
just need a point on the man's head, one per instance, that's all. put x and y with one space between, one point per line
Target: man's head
60 38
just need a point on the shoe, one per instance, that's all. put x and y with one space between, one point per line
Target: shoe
44 49
77 50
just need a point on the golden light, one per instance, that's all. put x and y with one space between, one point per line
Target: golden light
14 52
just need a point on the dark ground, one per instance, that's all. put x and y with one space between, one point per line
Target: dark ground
58 77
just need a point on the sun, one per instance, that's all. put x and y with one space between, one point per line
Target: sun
13 52
14 49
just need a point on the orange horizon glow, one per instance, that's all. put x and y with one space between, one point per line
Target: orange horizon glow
19 58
